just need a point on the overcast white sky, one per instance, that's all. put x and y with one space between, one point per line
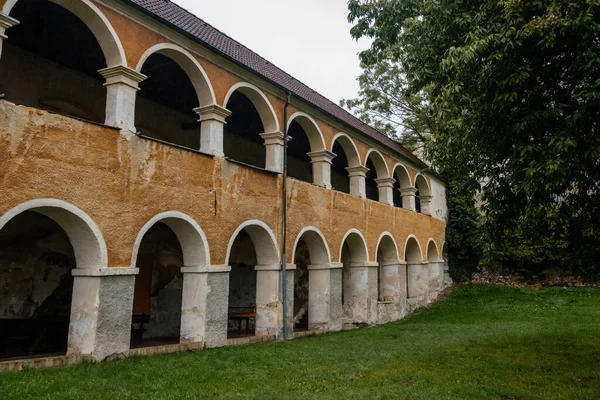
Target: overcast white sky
309 39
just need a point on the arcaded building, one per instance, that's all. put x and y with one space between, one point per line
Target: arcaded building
143 200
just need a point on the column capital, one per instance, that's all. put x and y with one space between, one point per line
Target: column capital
425 199
122 74
273 138
205 269
212 112
268 267
410 191
6 22
114 271
357 171
322 156
390 262
385 182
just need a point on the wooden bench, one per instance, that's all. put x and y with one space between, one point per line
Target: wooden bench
241 314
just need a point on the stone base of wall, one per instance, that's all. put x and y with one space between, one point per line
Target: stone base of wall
309 333
250 340
43 362
166 349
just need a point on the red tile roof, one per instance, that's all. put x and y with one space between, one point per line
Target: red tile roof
185 22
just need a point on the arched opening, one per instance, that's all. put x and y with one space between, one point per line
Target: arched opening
166 103
370 185
51 61
423 195
377 171
158 288
242 287
301 286
432 252
387 258
299 162
402 182
36 261
354 259
241 139
414 258
346 157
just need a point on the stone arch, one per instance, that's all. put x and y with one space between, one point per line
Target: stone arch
95 20
412 250
379 162
260 102
423 184
189 234
315 137
401 174
349 148
387 245
83 233
433 253
191 66
316 243
357 246
263 239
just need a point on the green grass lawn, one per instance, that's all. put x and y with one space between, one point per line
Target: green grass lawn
484 342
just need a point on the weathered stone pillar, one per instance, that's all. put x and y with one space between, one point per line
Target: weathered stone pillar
361 293
204 305
212 123
319 292
269 309
274 145
122 85
290 274
386 190
5 23
416 277
426 204
372 292
409 198
336 309
357 176
321 166
389 299
101 311
403 289
436 277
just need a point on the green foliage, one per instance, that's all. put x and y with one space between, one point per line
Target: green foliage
514 86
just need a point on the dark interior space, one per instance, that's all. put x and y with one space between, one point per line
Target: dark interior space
396 192
51 61
417 199
158 289
36 286
339 176
242 287
166 102
241 138
299 163
301 286
370 184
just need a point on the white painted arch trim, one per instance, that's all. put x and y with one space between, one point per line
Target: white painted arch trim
354 154
83 233
317 141
96 22
191 66
271 258
379 162
189 234
427 185
411 236
404 174
364 243
318 232
437 250
260 102
387 234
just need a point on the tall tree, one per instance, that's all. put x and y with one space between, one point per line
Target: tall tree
515 90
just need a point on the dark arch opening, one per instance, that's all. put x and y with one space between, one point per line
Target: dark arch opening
242 287
36 260
158 289
301 286
370 184
241 139
417 198
339 176
166 102
299 163
51 61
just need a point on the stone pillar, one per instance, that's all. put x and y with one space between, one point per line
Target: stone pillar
290 274
101 311
321 166
402 289
361 296
5 23
336 309
357 180
211 128
386 190
415 278
274 145
204 305
436 275
372 292
121 92
426 204
390 280
269 310
319 296
409 198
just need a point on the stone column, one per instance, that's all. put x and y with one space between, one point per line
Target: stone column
402 289
121 92
409 198
274 145
426 204
321 166
336 309
386 190
357 180
204 305
436 276
269 310
5 23
101 310
362 292
319 296
416 275
290 274
212 119
372 292
389 292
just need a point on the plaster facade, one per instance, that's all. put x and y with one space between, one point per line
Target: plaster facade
106 187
